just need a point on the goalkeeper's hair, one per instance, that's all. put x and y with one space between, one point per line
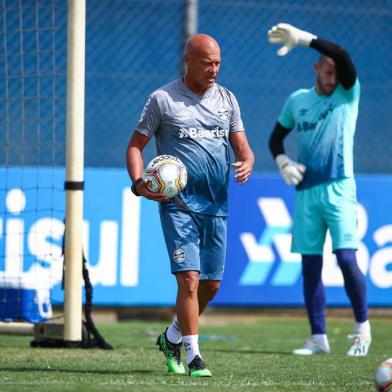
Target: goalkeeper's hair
323 58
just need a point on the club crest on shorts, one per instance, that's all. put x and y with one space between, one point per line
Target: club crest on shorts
179 255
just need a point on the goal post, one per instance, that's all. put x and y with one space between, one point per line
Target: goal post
42 143
73 252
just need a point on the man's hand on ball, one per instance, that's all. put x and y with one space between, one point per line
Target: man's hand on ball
143 190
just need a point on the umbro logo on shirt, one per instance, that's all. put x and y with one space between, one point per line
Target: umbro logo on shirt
303 112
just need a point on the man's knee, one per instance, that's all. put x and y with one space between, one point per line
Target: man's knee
347 259
311 265
209 288
188 282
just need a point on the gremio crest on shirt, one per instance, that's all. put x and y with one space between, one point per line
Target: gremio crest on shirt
223 114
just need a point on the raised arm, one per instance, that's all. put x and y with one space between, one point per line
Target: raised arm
345 69
290 37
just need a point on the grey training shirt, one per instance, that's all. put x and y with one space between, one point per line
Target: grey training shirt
195 129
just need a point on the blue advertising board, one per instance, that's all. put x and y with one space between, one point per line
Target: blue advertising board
126 254
260 269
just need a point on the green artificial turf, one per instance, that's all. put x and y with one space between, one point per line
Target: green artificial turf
243 356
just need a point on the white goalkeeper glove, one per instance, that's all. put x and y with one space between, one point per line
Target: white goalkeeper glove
291 171
288 36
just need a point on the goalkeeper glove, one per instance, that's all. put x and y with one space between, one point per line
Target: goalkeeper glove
288 36
292 172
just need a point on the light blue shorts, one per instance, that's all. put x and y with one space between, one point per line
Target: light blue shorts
333 206
195 242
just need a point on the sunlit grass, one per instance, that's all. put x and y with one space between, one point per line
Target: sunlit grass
242 356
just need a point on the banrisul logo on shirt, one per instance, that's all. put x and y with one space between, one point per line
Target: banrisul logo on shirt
309 125
195 133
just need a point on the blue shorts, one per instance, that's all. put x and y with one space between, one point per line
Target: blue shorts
331 205
195 242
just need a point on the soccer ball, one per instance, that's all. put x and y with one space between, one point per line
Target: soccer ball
166 175
383 376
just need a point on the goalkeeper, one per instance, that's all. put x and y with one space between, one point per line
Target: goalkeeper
324 119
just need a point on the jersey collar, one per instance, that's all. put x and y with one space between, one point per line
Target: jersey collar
207 94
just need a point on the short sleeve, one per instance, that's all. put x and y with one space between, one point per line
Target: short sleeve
286 118
150 118
236 123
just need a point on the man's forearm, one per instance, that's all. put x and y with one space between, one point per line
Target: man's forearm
275 143
345 68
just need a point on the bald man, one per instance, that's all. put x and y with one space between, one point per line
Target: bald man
194 119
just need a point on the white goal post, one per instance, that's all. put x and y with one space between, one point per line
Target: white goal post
73 251
31 223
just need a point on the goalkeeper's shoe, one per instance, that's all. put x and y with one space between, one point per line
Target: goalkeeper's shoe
172 354
360 343
313 345
198 369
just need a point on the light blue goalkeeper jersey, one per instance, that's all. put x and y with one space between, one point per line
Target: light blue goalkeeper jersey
325 127
196 130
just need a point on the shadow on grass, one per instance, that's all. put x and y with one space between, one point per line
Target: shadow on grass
77 371
245 351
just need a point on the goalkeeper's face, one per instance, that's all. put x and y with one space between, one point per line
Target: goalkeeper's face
326 79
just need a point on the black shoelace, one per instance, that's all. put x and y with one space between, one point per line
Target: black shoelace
197 363
176 350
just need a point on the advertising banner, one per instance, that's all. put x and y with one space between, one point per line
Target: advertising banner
126 253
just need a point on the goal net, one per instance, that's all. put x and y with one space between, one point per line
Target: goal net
32 156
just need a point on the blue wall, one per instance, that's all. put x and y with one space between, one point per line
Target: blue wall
128 262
